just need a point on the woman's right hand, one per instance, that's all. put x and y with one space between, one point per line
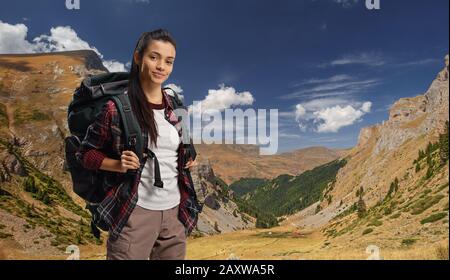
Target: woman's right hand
129 160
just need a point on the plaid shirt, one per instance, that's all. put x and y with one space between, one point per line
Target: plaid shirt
104 139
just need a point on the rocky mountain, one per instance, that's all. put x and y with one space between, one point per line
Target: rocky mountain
393 191
220 213
40 216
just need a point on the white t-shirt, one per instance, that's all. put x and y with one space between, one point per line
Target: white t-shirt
149 196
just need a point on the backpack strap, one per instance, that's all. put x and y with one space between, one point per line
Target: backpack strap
158 182
132 130
176 101
133 136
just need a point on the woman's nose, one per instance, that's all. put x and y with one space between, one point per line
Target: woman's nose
159 67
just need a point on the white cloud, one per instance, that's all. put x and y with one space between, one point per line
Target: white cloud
335 86
330 114
177 89
332 88
419 62
13 38
114 66
303 127
370 59
366 107
332 79
289 135
61 38
300 111
334 118
214 105
223 98
373 59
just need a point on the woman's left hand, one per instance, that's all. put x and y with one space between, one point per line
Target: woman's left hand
191 163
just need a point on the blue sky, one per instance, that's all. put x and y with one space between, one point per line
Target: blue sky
330 67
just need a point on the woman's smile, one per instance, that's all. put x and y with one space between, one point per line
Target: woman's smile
158 75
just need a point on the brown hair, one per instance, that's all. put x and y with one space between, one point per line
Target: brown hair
139 104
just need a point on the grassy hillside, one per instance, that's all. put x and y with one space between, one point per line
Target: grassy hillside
289 194
246 185
42 205
416 205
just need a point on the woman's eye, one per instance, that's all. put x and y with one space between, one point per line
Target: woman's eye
170 62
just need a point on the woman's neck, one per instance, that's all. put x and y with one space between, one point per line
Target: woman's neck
152 92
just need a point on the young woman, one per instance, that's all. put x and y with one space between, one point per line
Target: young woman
149 220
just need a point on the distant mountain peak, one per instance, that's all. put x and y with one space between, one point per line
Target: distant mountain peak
91 59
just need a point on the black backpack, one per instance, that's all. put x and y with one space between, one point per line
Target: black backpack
88 101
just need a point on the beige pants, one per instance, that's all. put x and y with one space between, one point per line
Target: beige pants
150 234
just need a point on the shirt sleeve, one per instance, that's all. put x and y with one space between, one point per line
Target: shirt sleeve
90 154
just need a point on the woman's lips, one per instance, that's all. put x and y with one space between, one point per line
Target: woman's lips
158 75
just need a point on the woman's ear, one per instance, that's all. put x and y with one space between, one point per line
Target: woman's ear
137 61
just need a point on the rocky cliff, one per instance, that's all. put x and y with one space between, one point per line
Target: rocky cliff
388 190
220 214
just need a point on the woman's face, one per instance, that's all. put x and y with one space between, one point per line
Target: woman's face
157 61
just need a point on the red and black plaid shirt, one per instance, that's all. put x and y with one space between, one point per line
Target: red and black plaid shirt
104 139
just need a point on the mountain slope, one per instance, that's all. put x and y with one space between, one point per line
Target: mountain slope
387 194
39 213
220 212
246 185
289 194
